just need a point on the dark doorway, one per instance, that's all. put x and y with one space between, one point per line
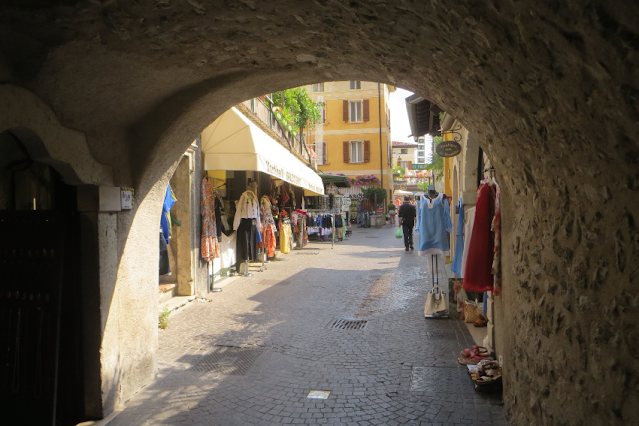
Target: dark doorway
40 296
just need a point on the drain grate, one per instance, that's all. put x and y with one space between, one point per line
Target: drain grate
344 324
228 360
307 253
440 335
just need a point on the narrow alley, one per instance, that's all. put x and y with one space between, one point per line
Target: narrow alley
251 354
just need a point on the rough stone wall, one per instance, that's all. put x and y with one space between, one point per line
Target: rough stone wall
548 88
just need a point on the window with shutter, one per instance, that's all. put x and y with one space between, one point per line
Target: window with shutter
366 114
355 111
367 151
347 152
345 110
325 153
357 151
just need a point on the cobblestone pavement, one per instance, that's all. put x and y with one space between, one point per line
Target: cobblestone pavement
251 354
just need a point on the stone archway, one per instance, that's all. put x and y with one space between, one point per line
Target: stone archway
549 91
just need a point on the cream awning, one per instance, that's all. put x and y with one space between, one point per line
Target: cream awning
233 142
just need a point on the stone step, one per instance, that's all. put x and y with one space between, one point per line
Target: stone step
166 292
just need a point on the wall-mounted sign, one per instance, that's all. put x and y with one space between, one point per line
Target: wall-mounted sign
127 198
414 166
448 149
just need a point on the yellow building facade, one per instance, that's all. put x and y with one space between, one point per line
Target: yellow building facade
354 137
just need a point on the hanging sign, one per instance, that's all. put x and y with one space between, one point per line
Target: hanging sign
448 149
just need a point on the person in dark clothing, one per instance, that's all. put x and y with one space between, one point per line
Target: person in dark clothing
407 214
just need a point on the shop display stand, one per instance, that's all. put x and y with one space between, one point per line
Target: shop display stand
212 288
332 214
434 277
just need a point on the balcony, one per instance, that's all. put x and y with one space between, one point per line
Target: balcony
256 110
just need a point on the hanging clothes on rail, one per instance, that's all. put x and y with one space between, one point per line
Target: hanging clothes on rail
456 267
286 237
248 225
165 219
209 245
269 242
478 275
434 225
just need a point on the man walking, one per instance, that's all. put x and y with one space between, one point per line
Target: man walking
407 214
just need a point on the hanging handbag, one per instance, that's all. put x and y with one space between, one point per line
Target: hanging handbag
436 303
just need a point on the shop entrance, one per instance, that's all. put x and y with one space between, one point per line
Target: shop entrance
41 362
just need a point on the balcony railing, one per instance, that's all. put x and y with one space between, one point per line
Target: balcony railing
295 144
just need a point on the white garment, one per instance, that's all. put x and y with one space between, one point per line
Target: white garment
227 250
248 207
469 219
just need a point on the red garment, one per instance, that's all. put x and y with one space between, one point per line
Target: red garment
478 275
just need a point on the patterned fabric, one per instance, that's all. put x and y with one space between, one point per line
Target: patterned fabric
267 210
269 240
209 246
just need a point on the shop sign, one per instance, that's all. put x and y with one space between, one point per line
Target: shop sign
448 149
418 166
281 173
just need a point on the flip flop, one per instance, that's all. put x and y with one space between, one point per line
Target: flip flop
481 351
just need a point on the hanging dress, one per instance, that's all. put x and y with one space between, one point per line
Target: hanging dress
456 267
209 245
478 275
434 227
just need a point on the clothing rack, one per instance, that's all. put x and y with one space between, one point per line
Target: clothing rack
332 213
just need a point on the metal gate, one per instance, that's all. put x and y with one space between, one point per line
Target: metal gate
32 271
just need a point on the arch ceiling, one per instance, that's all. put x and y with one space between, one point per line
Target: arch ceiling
550 90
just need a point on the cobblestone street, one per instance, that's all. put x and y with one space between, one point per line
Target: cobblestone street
251 354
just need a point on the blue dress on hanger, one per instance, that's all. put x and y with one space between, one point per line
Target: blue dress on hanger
434 226
456 267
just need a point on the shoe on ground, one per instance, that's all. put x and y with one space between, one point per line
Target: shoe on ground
406 249
411 247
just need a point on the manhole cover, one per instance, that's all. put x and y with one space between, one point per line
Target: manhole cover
228 360
440 335
344 324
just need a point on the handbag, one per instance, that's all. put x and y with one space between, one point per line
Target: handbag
471 311
399 233
436 303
